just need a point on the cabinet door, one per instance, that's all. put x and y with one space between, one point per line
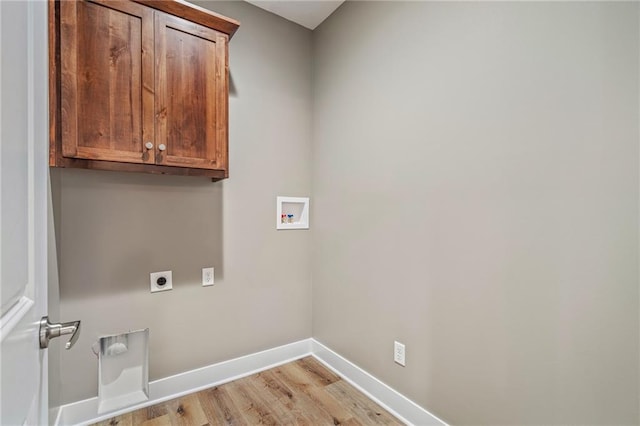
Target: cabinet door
191 94
107 79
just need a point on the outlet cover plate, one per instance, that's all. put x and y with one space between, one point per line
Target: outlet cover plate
399 353
155 276
208 277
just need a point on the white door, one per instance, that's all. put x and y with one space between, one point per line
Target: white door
23 210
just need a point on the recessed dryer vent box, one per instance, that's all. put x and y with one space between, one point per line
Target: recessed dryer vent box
292 213
123 370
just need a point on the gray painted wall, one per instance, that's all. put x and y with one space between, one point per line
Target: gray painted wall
475 196
115 228
53 293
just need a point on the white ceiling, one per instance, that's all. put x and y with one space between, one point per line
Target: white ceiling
308 13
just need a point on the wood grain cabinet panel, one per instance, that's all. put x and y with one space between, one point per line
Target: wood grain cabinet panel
190 81
106 112
135 88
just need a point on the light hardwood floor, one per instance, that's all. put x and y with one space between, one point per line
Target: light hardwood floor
302 392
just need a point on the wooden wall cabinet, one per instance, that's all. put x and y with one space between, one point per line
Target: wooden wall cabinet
139 86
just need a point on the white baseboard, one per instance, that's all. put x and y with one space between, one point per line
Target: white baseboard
86 411
391 400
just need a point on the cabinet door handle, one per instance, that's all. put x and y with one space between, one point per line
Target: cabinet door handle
148 145
162 147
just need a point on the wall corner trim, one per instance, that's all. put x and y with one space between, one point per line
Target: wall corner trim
86 411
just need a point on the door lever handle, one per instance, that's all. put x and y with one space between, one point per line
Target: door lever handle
48 331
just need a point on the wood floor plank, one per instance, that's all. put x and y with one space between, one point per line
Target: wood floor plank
298 378
122 420
339 414
285 397
299 402
353 422
317 371
150 413
164 420
361 406
302 393
187 411
251 409
218 407
141 416
287 410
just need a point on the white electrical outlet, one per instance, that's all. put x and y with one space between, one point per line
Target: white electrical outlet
208 277
398 353
160 281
